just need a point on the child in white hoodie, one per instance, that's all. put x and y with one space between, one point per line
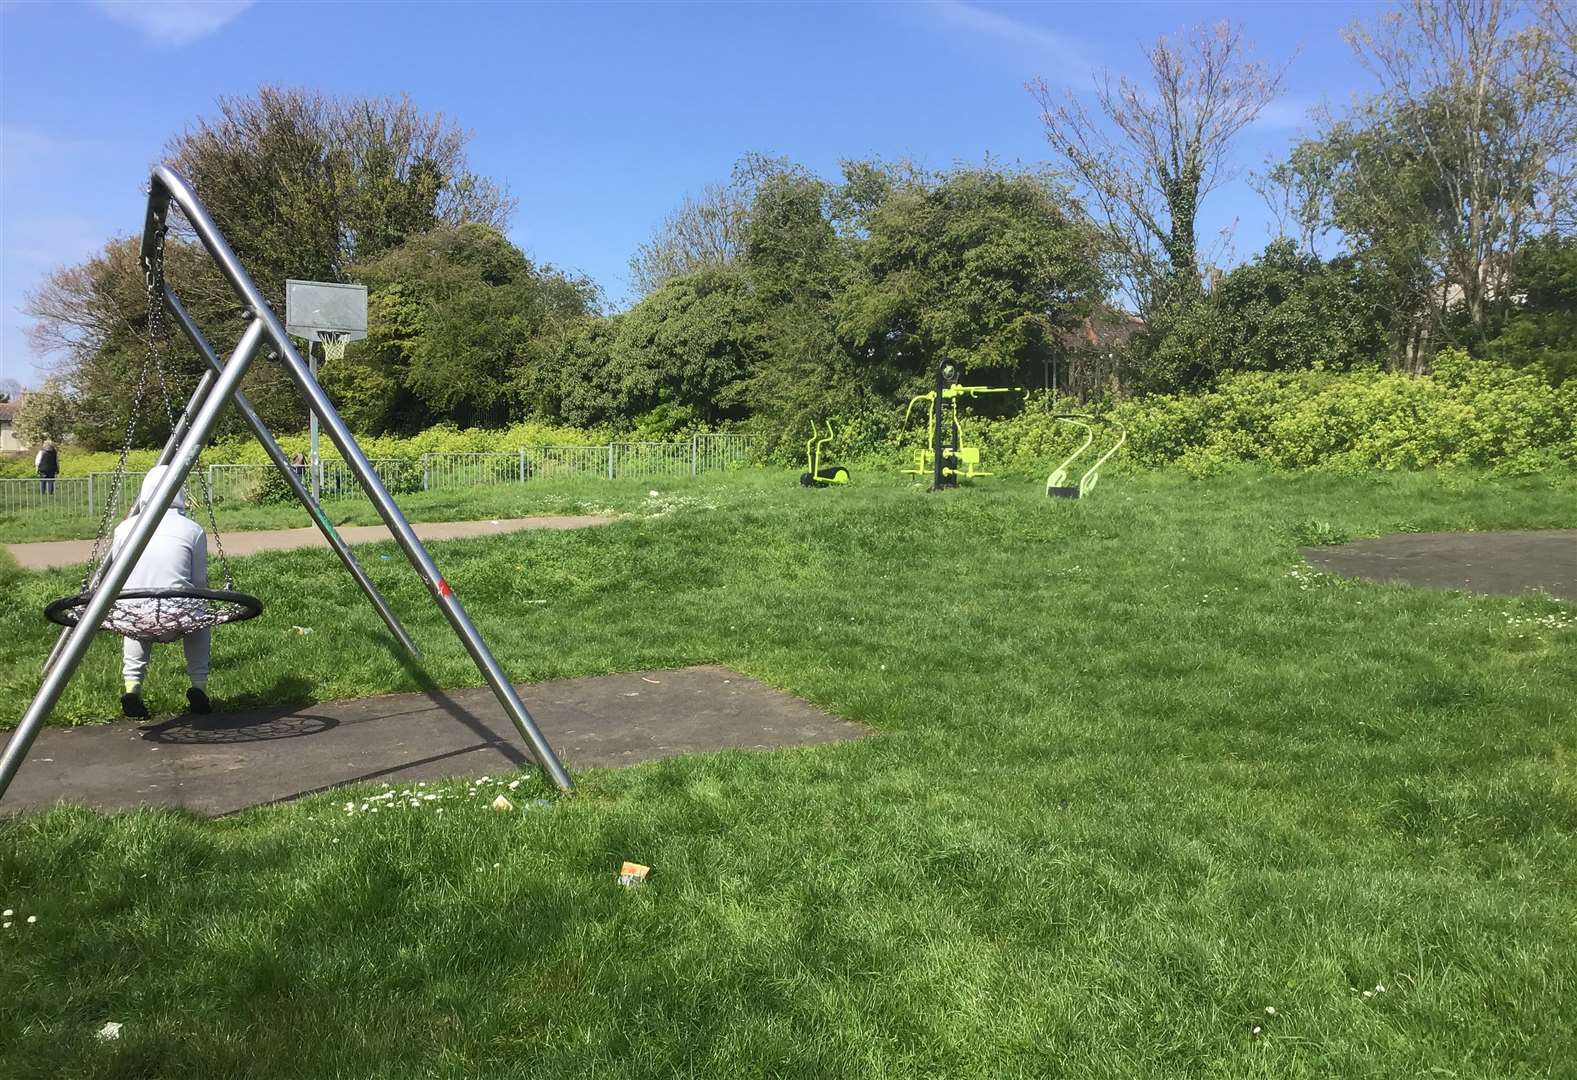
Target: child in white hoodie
176 557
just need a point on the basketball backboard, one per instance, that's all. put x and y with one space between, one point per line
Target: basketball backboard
314 309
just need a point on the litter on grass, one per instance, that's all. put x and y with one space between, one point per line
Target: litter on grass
633 873
110 1030
503 803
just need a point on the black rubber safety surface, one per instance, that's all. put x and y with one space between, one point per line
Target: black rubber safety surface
1503 563
224 762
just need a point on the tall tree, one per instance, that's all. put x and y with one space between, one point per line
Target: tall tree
305 185
1146 155
703 232
454 316
987 266
1440 179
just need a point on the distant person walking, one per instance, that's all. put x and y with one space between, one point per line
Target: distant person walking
299 463
48 465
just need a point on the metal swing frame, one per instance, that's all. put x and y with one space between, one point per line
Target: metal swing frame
218 387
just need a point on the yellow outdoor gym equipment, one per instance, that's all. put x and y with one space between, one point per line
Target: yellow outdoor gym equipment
949 457
816 474
1057 485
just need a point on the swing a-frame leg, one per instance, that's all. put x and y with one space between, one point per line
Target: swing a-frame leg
194 431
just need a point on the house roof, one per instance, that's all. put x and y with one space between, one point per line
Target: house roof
8 410
1103 331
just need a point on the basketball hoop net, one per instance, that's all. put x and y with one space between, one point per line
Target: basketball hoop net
334 345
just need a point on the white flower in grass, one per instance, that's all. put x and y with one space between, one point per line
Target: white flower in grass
7 926
32 918
1270 1010
7 913
513 784
1368 993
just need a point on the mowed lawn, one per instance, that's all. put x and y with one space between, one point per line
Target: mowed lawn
1141 778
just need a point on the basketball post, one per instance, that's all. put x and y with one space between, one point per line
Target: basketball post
315 463
329 314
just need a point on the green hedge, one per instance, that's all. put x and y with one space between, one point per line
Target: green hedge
1468 414
247 451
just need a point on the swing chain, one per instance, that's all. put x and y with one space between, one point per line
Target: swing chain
153 276
156 322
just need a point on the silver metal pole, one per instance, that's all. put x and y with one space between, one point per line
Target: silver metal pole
442 593
312 421
276 454
167 184
204 386
114 579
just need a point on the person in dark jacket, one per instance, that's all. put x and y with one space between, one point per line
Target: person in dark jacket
48 465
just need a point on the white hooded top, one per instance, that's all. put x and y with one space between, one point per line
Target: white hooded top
177 553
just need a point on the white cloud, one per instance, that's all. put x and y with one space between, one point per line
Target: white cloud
1060 59
174 22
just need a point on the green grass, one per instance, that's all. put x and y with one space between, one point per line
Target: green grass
1141 775
447 504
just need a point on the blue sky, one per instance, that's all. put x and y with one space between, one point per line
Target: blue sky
598 117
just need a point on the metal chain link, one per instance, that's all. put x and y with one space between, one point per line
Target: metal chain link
152 358
153 275
156 324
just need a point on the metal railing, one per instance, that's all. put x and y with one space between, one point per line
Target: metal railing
471 470
70 496
718 451
85 496
650 460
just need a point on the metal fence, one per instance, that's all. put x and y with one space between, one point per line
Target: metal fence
715 451
471 470
68 496
565 461
85 496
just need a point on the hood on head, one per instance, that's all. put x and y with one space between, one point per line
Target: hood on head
150 484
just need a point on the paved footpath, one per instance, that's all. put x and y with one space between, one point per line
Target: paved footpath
55 553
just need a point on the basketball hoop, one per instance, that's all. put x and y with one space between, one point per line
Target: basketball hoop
334 344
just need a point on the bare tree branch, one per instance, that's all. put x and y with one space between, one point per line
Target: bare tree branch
1146 156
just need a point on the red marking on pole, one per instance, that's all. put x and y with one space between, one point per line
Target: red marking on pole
444 589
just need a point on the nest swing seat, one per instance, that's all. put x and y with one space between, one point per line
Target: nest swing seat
154 615
161 615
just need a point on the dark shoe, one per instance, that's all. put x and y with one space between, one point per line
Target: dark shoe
131 705
199 702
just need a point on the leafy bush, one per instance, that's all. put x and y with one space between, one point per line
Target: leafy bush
1469 414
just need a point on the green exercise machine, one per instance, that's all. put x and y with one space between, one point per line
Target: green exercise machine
816 474
949 457
1057 486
